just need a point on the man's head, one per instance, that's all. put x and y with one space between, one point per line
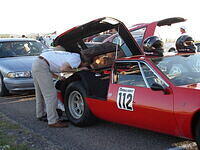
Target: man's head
59 48
182 29
153 46
185 44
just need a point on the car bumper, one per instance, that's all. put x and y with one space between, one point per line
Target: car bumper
14 85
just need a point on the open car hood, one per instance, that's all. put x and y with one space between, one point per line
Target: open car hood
74 36
170 21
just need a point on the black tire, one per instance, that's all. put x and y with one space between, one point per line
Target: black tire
3 89
84 116
197 134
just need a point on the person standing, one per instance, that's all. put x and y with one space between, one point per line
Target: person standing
183 30
46 65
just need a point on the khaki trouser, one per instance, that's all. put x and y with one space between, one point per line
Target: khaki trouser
46 95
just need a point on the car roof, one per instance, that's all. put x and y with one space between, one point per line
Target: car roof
15 39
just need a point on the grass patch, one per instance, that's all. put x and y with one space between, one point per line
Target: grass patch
6 125
8 137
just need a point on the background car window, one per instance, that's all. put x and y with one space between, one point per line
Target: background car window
128 74
118 40
126 50
100 38
138 34
6 49
150 76
21 48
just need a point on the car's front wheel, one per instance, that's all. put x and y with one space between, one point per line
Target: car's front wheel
3 90
76 107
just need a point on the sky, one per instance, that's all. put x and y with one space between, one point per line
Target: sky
46 16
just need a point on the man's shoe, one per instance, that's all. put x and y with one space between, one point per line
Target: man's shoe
59 125
63 120
43 118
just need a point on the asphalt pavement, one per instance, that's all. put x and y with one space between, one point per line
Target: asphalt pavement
101 136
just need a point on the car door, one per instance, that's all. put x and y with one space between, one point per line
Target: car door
135 102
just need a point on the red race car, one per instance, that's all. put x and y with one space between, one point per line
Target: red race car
123 85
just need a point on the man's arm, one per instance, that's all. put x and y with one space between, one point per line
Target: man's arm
56 76
67 68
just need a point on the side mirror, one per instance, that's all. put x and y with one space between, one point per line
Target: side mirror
158 87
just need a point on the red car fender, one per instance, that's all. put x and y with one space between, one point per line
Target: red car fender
185 108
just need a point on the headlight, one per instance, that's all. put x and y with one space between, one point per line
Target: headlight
26 74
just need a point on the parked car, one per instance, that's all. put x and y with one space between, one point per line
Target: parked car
155 93
16 57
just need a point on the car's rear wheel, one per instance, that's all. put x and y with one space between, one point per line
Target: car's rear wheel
197 134
76 107
3 90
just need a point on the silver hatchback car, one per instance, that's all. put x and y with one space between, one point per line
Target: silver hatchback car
16 58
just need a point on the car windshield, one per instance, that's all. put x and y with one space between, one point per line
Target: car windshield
180 69
20 48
